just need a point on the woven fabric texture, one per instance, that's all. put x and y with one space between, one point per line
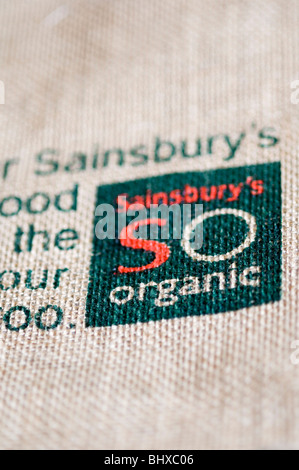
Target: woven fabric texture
84 76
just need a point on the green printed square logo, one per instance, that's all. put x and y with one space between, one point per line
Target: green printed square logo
237 266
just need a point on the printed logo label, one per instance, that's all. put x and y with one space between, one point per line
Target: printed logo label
238 264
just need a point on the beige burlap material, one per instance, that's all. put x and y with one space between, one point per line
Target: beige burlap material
80 77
